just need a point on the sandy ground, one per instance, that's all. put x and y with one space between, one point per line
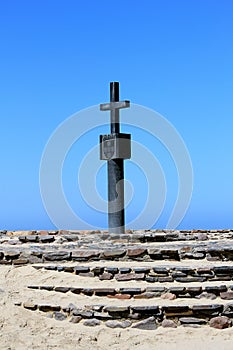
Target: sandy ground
22 329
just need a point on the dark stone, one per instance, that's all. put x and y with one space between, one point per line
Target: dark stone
154 237
118 324
228 253
34 287
207 310
147 324
177 290
165 279
170 254
88 291
223 270
71 238
46 239
83 313
84 255
226 295
155 253
117 311
177 310
113 254
31 239
48 288
59 316
131 291
192 320
141 269
215 289
104 291
113 270
11 255
184 269
190 279
22 239
76 290
204 271
130 276
62 289
38 267
57 256
81 269
49 267
97 270
133 253
68 269
220 322
178 274
124 269
47 308
151 279
161 271
145 310
221 278
92 322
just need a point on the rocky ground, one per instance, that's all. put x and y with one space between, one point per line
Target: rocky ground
143 289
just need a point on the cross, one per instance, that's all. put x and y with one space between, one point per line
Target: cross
114 148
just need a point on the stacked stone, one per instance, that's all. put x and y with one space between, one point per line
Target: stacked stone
87 255
161 274
198 292
150 317
22 247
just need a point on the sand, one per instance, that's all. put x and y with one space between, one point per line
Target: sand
22 329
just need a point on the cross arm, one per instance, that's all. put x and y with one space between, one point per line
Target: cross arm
114 105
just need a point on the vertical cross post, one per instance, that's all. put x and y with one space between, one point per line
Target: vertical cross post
114 148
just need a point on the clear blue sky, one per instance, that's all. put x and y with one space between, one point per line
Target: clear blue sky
173 56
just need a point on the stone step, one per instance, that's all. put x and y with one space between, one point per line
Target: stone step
208 251
142 317
139 236
170 293
151 274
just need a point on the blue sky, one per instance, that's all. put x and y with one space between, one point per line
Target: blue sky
173 56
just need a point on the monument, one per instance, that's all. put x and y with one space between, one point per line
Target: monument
115 147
